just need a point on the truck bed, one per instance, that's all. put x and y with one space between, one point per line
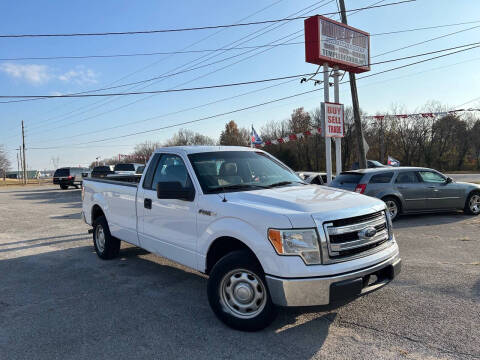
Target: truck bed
126 180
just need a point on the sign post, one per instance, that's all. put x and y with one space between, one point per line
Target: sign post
328 144
338 140
333 44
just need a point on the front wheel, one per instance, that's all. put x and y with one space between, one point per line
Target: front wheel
63 186
393 207
472 205
238 294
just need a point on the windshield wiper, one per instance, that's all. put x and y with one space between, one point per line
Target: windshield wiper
281 183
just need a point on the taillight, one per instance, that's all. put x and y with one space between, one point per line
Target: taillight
360 188
70 177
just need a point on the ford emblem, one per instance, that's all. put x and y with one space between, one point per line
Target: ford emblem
367 233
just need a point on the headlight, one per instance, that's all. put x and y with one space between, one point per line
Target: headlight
389 224
298 242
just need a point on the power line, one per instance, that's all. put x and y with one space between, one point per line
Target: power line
158 91
471 45
165 75
63 116
178 52
426 41
266 45
170 113
241 40
220 69
173 112
245 108
191 28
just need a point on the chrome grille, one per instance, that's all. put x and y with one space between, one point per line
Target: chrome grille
356 236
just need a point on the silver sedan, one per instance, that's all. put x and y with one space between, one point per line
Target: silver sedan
408 190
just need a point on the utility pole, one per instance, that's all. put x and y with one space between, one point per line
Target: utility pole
362 156
18 164
24 163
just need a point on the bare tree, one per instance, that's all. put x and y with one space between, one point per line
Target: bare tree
186 137
144 150
4 162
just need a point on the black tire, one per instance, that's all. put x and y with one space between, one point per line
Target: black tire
472 209
63 186
109 248
234 263
390 201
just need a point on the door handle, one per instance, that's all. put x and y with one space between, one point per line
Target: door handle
402 187
147 203
431 187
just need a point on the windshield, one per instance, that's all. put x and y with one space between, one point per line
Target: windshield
347 178
376 163
124 167
62 172
101 168
240 171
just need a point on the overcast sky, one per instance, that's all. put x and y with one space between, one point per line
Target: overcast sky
71 123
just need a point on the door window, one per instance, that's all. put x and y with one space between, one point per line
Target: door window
171 168
407 177
382 178
431 177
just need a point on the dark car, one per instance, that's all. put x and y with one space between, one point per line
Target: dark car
412 189
371 164
68 176
101 171
126 168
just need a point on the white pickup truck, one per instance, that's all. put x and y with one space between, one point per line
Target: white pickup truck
265 238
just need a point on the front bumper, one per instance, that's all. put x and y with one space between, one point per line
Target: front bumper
324 290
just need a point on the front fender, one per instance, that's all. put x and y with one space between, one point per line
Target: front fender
242 231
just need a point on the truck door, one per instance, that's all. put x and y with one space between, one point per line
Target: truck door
167 227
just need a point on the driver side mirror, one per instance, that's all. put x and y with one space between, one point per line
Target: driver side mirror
174 190
449 180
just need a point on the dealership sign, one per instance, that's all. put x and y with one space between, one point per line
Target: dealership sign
337 44
333 120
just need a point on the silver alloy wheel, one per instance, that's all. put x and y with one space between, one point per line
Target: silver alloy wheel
392 208
243 293
100 238
474 204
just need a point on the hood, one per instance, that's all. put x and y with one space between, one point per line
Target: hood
320 201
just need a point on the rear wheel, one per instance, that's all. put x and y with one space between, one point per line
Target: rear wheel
472 205
393 207
63 186
106 246
238 293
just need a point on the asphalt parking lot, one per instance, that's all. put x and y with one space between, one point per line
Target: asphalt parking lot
58 300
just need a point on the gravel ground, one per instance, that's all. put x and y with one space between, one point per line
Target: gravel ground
58 300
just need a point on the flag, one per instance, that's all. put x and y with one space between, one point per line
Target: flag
392 161
255 139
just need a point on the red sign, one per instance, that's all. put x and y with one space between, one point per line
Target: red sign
329 41
333 120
